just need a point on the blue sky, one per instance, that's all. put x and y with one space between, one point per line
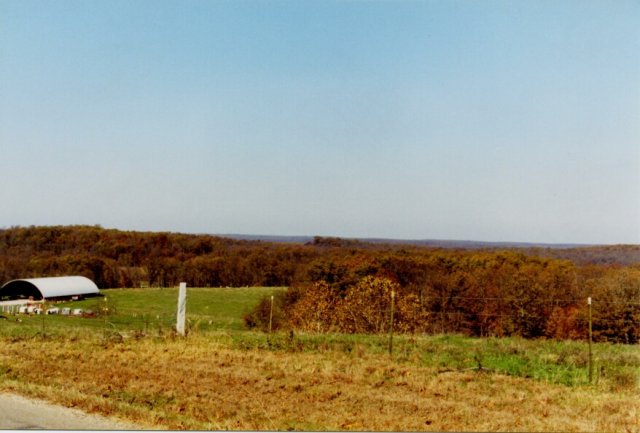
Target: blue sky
481 120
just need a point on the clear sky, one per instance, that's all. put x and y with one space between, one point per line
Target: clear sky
479 120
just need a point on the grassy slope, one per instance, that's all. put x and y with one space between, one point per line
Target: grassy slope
233 379
153 308
223 307
204 383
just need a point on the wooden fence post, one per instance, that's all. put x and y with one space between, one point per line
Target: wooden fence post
43 312
590 340
105 311
393 295
271 314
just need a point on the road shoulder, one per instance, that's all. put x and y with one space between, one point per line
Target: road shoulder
22 413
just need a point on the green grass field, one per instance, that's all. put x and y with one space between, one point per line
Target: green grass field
207 308
147 310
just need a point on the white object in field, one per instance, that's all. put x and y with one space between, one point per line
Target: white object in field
54 310
30 309
77 311
37 310
53 287
22 310
182 308
65 311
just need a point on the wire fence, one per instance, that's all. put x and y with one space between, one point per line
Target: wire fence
55 319
446 317
577 301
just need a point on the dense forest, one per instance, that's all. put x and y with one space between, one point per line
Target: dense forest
345 285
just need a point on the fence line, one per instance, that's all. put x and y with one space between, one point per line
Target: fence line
515 314
457 317
540 301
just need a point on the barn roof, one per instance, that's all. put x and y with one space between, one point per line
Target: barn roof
52 287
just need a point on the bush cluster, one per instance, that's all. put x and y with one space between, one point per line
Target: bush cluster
531 299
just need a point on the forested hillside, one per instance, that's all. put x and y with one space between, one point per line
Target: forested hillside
114 258
481 292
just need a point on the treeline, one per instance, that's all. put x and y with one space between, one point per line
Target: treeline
345 285
594 255
478 294
114 258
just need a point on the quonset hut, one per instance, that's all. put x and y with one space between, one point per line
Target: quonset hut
48 288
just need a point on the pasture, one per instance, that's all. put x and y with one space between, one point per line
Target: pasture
224 377
147 310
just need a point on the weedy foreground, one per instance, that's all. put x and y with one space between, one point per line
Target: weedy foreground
221 381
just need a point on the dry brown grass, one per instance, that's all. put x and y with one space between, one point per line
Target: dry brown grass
201 384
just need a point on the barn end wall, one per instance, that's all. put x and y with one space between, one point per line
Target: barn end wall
48 288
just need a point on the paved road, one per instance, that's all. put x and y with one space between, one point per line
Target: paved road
20 413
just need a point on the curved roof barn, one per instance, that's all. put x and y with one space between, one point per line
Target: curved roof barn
46 288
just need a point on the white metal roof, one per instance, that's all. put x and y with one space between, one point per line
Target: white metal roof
54 287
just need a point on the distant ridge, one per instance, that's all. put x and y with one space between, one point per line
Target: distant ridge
440 243
269 238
